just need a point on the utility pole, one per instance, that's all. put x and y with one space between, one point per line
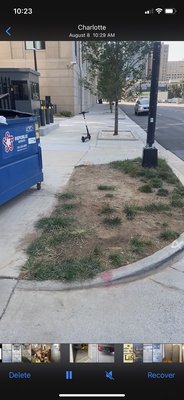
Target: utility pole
150 153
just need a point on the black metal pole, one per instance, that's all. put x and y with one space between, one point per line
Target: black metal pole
150 153
81 84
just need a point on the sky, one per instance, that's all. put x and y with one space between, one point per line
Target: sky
176 51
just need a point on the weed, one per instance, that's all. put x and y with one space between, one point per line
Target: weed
69 270
69 206
156 183
179 190
165 225
37 246
65 113
107 210
106 187
109 195
117 259
130 211
97 250
137 244
177 201
54 222
145 188
165 172
156 207
168 234
66 195
162 192
112 221
130 167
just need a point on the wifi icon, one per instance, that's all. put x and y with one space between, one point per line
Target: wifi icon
158 10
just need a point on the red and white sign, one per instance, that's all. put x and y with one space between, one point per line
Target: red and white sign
8 142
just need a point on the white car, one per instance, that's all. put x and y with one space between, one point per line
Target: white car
142 106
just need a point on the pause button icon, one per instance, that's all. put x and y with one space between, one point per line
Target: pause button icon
69 375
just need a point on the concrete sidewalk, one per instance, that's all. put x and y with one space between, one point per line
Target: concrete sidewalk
62 150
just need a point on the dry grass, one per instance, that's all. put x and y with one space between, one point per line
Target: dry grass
90 232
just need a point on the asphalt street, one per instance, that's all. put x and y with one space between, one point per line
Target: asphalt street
169 126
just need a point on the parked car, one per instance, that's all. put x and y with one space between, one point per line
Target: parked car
175 100
142 106
106 348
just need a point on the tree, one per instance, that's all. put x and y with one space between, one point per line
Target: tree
115 66
175 90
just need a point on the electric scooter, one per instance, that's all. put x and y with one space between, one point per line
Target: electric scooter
88 136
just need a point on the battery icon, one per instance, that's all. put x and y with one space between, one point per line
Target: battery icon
170 10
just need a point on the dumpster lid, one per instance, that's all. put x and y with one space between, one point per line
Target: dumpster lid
8 113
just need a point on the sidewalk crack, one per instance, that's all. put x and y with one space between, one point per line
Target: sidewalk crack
168 286
80 159
8 301
178 270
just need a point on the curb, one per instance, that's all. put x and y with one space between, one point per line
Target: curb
44 130
139 269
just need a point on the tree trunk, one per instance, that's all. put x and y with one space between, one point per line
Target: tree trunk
116 119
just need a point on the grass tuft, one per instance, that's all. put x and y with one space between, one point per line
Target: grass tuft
168 234
134 168
130 167
156 207
66 195
69 206
109 195
177 201
162 192
117 259
145 188
178 190
54 222
137 244
112 221
131 211
107 210
106 187
156 183
69 270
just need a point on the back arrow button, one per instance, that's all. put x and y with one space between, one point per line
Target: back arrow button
8 31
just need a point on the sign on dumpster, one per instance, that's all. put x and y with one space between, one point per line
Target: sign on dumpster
18 140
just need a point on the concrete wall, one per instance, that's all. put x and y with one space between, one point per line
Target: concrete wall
58 77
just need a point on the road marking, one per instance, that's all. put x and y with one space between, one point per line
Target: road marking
165 127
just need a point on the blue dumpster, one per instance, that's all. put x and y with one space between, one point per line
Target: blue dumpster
20 154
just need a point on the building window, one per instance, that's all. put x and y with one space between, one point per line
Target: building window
20 90
35 45
35 95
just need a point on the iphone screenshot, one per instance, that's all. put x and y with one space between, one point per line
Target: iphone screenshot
91 200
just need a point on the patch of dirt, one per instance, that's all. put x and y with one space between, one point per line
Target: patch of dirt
106 240
89 231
